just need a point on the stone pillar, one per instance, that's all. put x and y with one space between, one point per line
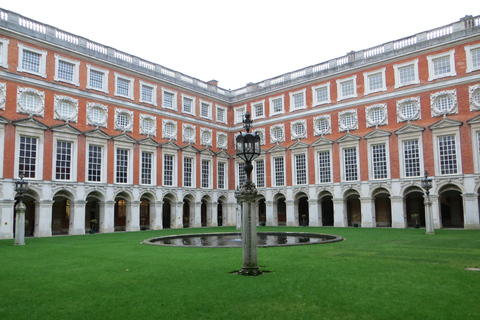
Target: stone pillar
399 218
43 218
6 218
77 217
271 221
177 218
213 215
315 216
435 207
238 214
106 216
20 209
133 216
428 217
339 213
290 213
368 212
156 215
471 215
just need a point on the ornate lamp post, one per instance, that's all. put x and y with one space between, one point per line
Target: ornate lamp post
248 148
21 187
427 185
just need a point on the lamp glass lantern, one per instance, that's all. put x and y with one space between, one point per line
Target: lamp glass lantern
427 183
248 146
21 186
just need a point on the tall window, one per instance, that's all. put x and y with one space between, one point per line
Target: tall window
379 161
64 160
411 158
147 158
279 168
242 177
300 169
221 114
205 174
350 163
187 172
448 154
168 170
260 172
94 163
28 156
122 166
221 175
324 166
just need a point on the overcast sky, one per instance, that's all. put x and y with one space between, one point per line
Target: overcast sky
236 42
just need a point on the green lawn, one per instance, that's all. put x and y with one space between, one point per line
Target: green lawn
373 274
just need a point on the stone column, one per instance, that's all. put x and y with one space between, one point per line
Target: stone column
156 215
77 217
435 208
315 216
399 218
43 218
6 218
213 215
106 216
339 213
471 216
238 214
428 217
269 213
177 218
20 209
133 216
290 213
368 212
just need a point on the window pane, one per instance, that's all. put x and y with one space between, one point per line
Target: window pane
63 160
350 158
279 172
379 159
324 166
122 166
301 169
147 167
448 155
187 172
168 170
260 171
94 163
31 61
411 159
28 156
66 70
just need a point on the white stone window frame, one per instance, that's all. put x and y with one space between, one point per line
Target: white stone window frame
376 141
434 97
271 100
253 106
105 73
468 53
2 149
43 60
436 133
130 148
400 103
220 145
193 138
101 143
206 142
131 82
343 146
431 58
368 115
22 109
273 156
165 134
192 156
143 129
154 93
366 77
34 133
323 117
4 52
74 116
475 130
302 92
294 167
193 99
261 133
340 95
396 69
225 174
317 103
472 90
342 115
103 108
174 99
3 95
210 172
129 115
76 68
174 168
274 139
73 139
224 110
153 151
401 152
209 106
317 150
293 124
241 110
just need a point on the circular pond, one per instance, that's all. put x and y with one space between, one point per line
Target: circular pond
232 240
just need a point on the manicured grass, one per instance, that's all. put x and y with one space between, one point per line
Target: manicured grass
373 274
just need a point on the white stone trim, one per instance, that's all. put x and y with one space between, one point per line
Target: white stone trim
270 101
73 117
43 60
401 116
76 68
340 95
154 93
173 134
342 126
298 92
3 95
239 111
369 113
273 128
221 145
73 139
224 109
153 151
396 69
91 106
131 82
35 133
193 138
105 73
206 137
4 52
194 105
104 144
261 133
377 141
431 58
474 91
401 152
40 95
316 122
254 111
436 133
367 75
144 118
209 104
435 98
174 99
130 148
127 113
314 94
468 53
293 124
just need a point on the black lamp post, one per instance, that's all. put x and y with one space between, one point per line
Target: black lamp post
21 187
248 148
427 185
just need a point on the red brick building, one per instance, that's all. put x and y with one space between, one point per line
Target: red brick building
108 137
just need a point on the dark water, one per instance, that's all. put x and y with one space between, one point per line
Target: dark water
265 239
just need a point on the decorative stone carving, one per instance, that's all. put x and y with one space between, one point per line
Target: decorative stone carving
222 140
169 129
3 95
474 97
148 125
123 120
443 103
97 114
206 137
66 108
30 101
376 115
261 133
408 109
348 120
298 129
277 133
189 133
322 125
